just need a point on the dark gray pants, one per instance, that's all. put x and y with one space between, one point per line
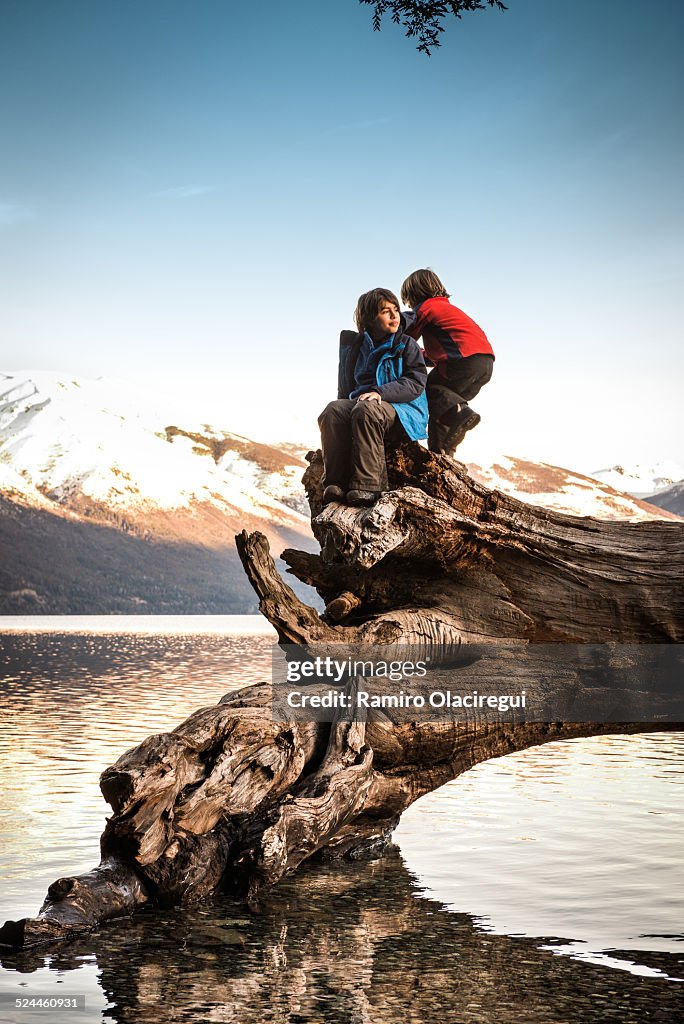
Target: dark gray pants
353 441
446 395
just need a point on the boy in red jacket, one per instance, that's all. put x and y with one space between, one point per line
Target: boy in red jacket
462 356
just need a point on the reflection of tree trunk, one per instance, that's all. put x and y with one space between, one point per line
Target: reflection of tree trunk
351 944
231 799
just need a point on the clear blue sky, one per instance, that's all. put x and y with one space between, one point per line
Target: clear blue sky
193 194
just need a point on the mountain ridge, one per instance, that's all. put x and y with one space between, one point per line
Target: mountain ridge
641 481
117 501
672 498
108 508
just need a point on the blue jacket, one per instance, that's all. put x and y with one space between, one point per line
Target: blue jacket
400 376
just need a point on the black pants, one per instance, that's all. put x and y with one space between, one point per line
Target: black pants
353 441
446 395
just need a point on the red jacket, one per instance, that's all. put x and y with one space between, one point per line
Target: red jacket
448 332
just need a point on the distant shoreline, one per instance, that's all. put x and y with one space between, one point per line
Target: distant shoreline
230 624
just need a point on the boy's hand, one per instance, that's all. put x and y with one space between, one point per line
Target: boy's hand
370 396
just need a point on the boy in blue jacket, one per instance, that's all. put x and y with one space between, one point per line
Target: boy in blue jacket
381 387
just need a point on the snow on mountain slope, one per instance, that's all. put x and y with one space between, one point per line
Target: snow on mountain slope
116 501
67 442
553 487
101 448
641 481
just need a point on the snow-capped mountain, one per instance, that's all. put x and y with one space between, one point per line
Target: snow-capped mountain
65 442
112 501
563 490
641 481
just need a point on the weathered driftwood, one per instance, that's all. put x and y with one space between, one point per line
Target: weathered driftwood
483 565
232 800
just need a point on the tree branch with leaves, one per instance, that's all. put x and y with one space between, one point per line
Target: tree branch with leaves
423 19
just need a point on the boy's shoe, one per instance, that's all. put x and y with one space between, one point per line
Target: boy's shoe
362 497
467 419
433 442
332 493
342 606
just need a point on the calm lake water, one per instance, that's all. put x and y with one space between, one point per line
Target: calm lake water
546 886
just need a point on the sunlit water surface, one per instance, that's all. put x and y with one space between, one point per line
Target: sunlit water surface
544 886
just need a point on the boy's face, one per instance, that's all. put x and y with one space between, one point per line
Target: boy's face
387 320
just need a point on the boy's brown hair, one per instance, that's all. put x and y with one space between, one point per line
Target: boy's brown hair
422 285
368 306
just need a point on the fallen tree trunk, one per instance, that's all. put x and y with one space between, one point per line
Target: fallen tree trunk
233 799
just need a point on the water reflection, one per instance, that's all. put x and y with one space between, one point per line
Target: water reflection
576 846
347 945
71 705
583 839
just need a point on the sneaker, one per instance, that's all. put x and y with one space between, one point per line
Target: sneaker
433 442
342 606
467 419
332 493
362 497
